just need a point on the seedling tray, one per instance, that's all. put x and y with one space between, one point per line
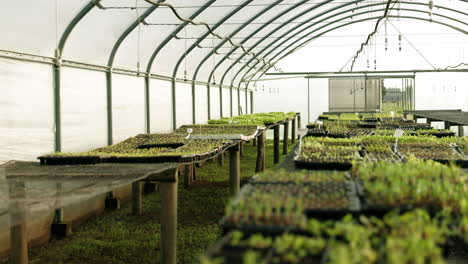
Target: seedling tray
250 229
316 133
338 135
69 160
380 210
167 145
353 207
233 254
367 125
340 166
88 160
150 159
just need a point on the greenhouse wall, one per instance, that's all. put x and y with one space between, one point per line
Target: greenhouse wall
83 106
25 131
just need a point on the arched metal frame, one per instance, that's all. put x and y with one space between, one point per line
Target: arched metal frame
262 70
190 49
354 15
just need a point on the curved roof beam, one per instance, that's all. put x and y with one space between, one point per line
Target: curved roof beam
190 49
278 28
127 32
110 64
242 26
149 65
245 40
57 72
174 33
359 21
353 15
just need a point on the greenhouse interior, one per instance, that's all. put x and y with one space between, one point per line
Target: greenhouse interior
215 131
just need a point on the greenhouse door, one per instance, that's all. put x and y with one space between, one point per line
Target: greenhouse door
354 95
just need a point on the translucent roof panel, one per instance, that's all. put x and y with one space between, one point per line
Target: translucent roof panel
268 28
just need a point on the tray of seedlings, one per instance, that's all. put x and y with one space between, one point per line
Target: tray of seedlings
316 132
430 148
432 132
428 185
220 132
256 211
260 119
148 148
325 195
379 148
327 153
237 247
367 124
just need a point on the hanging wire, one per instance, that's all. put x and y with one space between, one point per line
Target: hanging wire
386 35
138 37
213 46
174 11
409 42
376 29
431 7
185 55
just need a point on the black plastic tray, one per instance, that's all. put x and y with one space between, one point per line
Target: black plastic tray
323 165
69 160
271 230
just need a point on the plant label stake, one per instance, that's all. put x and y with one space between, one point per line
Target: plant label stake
392 114
398 134
320 123
189 131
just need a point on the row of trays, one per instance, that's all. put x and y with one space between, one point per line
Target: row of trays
90 160
358 203
264 255
395 156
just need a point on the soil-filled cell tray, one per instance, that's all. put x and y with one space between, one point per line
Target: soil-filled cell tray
234 254
379 209
273 230
339 166
152 159
69 160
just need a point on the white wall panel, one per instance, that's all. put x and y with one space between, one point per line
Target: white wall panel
26 110
183 104
160 103
226 102
201 104
128 106
84 116
214 98
235 102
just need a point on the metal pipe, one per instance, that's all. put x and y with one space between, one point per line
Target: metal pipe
305 35
57 71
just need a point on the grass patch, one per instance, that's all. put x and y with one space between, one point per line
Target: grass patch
120 238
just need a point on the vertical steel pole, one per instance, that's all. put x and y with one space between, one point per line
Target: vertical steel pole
234 169
194 107
137 193
109 106
169 221
147 104
276 143
308 100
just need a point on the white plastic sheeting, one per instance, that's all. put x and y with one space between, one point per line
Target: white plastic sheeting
226 102
201 101
83 106
160 106
128 106
214 105
184 104
36 27
26 110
